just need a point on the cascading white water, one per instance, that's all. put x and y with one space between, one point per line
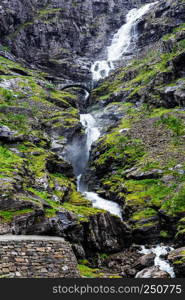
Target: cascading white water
158 251
92 135
101 203
120 42
92 132
100 69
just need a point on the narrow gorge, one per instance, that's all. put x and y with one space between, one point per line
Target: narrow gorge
92 132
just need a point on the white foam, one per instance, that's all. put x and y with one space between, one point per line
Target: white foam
91 129
120 43
101 203
158 251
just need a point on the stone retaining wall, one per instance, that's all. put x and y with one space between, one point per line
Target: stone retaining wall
36 257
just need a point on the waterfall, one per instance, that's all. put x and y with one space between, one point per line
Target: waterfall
92 134
158 251
121 42
120 45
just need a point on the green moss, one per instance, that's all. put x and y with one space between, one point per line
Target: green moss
81 211
103 255
149 191
77 199
118 147
146 225
174 123
37 165
50 213
7 94
176 203
83 262
179 261
89 272
164 234
10 162
7 216
144 214
7 65
42 194
17 122
49 11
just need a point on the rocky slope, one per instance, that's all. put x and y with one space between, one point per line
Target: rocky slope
58 36
146 173
139 160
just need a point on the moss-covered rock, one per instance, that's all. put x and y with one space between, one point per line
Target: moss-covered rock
177 259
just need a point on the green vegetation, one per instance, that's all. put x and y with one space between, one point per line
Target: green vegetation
88 272
30 105
81 211
174 123
176 203
7 94
144 214
7 216
164 234
10 162
154 65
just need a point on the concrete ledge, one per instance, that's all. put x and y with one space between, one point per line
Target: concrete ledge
5 238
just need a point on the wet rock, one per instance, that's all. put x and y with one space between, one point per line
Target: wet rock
146 229
138 175
145 261
106 233
66 219
33 24
107 117
8 135
20 201
177 260
79 251
179 64
57 165
153 272
128 272
123 262
173 95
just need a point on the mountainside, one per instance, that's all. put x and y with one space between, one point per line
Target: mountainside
137 159
61 37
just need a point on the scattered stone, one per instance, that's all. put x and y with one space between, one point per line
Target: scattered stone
152 272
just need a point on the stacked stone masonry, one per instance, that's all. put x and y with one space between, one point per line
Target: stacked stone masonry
36 257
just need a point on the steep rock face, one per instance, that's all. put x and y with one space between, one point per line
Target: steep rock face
138 163
160 62
58 36
100 232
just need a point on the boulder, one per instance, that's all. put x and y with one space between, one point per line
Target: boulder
8 135
138 175
152 272
145 261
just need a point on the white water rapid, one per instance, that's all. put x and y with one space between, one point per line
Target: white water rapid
160 251
121 42
92 135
